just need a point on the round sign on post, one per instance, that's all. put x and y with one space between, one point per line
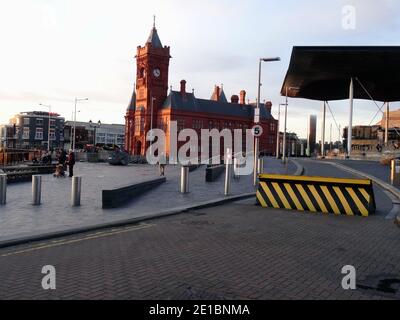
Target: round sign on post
257 130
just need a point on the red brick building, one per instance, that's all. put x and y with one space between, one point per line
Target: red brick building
152 93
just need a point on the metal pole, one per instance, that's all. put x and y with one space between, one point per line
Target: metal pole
284 131
277 133
256 113
323 131
36 190
48 131
387 125
235 168
76 191
74 137
185 179
3 188
350 127
330 138
228 172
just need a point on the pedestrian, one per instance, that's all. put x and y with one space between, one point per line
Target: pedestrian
161 164
71 163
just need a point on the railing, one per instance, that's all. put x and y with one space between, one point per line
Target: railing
13 157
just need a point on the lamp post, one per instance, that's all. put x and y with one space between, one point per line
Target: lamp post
278 131
95 126
257 115
48 130
74 136
285 125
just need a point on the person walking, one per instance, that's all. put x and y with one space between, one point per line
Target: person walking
161 164
71 163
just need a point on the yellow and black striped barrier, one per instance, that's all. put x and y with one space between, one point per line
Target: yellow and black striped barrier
317 194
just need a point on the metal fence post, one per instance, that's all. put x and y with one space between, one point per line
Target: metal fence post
3 188
76 191
185 179
36 189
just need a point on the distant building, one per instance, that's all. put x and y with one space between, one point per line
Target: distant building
295 147
311 134
94 134
30 130
6 136
394 119
154 106
364 138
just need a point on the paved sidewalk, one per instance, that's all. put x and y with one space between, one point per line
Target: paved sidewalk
235 251
20 219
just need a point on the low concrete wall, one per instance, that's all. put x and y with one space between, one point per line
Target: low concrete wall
213 172
117 197
23 174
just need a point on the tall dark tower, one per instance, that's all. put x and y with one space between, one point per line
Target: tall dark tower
152 62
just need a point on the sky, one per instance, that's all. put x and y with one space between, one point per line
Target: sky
55 50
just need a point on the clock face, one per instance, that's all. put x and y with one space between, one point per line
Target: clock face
156 72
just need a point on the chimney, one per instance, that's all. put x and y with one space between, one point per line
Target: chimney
268 106
243 97
216 93
234 99
183 87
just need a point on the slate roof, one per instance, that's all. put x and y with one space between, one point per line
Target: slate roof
192 104
222 96
132 104
154 39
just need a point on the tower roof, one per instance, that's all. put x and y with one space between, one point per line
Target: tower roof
154 39
132 104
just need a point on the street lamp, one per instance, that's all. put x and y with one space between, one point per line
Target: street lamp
48 130
257 115
277 134
285 124
95 126
74 137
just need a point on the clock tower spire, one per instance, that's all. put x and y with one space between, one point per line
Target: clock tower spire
152 63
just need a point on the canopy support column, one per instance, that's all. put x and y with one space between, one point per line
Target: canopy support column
387 125
323 132
350 127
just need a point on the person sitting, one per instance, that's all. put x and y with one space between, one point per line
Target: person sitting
59 171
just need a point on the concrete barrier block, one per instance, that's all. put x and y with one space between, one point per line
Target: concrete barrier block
119 196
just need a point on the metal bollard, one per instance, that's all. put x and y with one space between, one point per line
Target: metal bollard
36 190
185 179
228 172
76 191
260 165
3 188
236 168
395 172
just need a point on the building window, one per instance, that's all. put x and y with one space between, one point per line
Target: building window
52 123
181 125
25 134
39 122
26 121
39 134
272 127
52 134
197 124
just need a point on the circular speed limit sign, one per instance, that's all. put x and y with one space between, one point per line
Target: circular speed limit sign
257 130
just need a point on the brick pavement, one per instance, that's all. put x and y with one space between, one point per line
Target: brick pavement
20 219
235 251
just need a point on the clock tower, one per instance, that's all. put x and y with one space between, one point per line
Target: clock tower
152 62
